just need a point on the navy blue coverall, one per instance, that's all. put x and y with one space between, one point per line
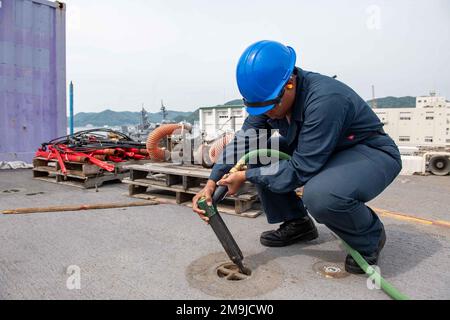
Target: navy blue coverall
340 154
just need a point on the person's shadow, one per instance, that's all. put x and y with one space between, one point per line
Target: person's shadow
405 248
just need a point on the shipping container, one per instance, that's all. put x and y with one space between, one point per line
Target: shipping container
32 76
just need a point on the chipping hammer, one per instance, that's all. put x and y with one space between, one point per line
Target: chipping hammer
219 227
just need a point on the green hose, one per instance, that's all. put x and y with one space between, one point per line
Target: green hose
369 270
265 152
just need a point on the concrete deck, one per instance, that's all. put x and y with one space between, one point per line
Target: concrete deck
146 252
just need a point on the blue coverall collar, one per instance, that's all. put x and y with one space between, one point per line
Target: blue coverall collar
299 104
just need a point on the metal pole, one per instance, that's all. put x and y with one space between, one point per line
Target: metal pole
71 108
374 101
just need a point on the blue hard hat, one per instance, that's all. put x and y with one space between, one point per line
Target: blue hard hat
262 72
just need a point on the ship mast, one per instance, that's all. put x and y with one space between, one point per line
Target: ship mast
163 111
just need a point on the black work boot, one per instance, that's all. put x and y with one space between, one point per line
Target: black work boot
352 267
290 232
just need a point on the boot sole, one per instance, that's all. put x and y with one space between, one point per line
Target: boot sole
311 235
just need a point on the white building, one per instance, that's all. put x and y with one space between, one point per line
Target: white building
431 101
220 119
428 124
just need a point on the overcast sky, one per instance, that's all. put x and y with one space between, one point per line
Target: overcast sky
122 54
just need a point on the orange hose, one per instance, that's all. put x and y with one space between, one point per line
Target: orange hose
218 146
155 152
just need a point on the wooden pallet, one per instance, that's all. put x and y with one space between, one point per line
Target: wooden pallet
180 184
82 175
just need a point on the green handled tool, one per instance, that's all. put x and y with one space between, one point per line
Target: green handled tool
220 229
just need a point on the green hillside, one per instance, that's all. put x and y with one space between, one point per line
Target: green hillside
113 118
387 102
191 118
236 102
394 102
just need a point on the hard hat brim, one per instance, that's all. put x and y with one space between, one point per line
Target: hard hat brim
258 111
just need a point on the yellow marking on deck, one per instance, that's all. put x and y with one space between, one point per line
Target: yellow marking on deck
403 216
406 217
442 223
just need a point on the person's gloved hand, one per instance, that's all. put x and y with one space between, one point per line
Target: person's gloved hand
206 192
233 181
